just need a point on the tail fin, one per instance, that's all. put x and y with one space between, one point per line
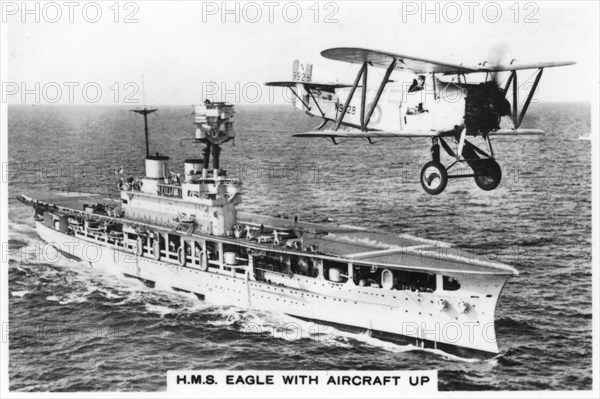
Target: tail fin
302 72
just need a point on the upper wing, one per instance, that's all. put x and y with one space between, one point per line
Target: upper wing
383 59
330 87
516 67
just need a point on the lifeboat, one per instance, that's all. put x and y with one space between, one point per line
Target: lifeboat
74 222
184 219
93 225
115 234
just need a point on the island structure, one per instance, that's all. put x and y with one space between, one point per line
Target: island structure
182 231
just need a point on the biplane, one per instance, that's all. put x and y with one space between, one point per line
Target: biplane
430 100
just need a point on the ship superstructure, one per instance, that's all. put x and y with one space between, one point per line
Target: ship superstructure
182 231
201 198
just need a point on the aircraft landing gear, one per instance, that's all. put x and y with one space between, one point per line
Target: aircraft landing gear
434 177
487 174
486 171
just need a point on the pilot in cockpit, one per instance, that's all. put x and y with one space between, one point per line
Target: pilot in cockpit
417 84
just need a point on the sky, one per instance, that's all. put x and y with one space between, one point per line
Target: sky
180 52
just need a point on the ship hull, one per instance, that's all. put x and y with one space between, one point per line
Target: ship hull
406 317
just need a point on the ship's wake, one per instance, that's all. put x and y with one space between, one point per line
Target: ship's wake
284 327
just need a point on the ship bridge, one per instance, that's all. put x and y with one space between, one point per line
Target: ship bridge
201 197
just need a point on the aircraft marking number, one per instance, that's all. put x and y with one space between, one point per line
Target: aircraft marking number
350 111
301 76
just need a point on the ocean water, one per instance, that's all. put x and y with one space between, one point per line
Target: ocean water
73 328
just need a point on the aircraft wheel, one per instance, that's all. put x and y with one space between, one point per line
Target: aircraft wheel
434 178
488 174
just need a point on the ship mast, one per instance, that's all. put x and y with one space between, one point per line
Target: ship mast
145 112
213 128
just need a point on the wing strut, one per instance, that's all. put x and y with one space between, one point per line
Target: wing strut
384 82
354 86
516 116
316 102
509 81
529 97
299 98
515 98
363 99
322 125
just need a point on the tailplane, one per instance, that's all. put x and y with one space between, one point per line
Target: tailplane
314 78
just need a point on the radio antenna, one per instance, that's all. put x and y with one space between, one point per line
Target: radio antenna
145 112
143 92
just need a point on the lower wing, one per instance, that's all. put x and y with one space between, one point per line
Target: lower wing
357 134
365 135
329 87
516 132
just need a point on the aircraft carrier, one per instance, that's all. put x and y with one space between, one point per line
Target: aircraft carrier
182 231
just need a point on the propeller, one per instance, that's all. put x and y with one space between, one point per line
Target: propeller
488 102
497 56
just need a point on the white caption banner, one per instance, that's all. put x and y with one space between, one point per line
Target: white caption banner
293 383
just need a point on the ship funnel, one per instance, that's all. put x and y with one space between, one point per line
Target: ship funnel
193 169
157 167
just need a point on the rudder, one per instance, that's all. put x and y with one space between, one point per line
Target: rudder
302 71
